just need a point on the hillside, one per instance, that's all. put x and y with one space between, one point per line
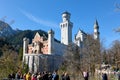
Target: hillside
4 45
17 39
6 30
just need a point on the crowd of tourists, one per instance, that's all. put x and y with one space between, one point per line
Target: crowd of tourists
39 76
51 76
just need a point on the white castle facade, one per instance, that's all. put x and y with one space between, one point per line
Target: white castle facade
46 54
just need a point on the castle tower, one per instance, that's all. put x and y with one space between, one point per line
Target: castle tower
50 41
25 45
66 29
96 31
25 49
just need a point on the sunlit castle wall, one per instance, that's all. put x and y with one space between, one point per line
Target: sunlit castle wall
59 48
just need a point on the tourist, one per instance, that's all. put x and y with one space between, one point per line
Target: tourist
118 75
45 76
55 75
104 76
50 76
17 76
65 76
39 76
13 76
24 76
33 77
85 75
9 76
62 76
28 76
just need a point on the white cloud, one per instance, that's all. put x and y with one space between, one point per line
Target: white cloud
39 21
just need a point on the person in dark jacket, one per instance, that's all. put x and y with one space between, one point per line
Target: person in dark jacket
55 75
118 74
50 76
66 76
62 76
85 75
104 76
45 76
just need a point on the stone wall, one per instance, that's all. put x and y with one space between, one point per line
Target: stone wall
42 62
59 48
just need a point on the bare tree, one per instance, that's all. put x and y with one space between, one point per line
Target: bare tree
91 54
72 61
114 53
87 57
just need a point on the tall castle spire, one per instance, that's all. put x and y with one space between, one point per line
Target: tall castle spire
96 30
66 28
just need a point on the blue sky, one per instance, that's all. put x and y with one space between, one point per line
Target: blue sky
46 14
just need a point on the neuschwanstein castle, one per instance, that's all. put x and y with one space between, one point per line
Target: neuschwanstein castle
46 54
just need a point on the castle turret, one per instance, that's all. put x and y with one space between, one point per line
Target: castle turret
25 49
80 37
96 30
66 29
50 41
25 45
